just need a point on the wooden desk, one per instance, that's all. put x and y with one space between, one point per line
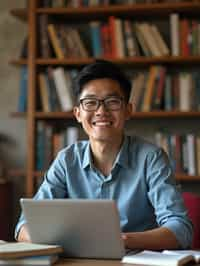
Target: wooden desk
88 262
93 262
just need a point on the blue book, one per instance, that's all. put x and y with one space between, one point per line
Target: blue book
23 89
96 38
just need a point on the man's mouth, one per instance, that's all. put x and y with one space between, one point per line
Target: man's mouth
102 123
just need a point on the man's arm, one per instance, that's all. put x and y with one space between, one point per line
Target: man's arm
155 239
23 235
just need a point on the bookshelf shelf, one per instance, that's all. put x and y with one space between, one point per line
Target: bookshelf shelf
20 13
186 178
18 115
146 9
16 172
136 115
18 62
133 61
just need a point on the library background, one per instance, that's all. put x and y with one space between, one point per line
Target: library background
43 46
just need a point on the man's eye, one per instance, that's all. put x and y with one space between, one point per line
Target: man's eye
113 101
90 103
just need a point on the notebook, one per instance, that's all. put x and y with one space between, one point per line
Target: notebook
84 228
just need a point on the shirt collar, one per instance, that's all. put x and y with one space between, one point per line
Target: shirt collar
87 159
122 157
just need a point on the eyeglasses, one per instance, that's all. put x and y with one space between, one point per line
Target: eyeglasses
111 103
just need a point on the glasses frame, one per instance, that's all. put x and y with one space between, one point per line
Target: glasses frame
102 102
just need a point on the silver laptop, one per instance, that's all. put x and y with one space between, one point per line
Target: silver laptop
84 228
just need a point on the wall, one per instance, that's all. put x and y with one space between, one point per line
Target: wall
13 150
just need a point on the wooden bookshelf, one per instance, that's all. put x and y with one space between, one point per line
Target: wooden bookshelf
136 115
20 13
145 9
148 11
133 61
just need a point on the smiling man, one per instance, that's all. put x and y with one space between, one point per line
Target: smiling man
111 165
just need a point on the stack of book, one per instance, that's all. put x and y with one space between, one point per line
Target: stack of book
165 258
22 253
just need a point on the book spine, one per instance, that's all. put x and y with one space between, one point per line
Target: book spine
23 90
174 31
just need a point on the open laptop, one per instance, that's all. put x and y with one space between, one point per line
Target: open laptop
84 228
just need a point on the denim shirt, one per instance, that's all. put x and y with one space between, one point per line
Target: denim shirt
141 182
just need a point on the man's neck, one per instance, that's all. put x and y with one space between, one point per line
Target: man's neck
104 154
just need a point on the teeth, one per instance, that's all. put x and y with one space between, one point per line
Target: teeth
102 123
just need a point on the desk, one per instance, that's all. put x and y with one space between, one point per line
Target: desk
88 262
93 262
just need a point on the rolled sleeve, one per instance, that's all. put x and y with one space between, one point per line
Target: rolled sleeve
166 198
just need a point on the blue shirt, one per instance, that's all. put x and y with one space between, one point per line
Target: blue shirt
141 182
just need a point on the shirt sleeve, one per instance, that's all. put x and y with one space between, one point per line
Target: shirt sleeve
166 198
53 186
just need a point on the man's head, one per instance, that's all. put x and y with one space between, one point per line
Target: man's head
102 102
102 69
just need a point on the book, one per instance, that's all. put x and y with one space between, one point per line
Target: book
155 258
23 90
149 90
63 88
55 41
10 250
33 261
194 253
44 92
130 42
95 33
174 34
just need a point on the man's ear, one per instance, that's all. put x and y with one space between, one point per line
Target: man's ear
76 111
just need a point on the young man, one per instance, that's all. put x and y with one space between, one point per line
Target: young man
133 172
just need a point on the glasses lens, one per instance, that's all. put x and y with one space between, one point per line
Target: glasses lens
113 103
89 104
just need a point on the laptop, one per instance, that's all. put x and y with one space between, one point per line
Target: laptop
84 228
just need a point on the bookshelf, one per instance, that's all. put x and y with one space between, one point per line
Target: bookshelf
85 14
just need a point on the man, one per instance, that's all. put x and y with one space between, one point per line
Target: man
133 172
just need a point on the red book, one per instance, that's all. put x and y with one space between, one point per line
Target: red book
159 94
112 28
184 34
106 40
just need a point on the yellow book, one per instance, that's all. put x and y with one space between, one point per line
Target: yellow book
149 90
55 41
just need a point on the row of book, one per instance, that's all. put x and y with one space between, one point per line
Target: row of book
54 90
154 90
185 36
183 151
49 142
85 3
160 90
118 38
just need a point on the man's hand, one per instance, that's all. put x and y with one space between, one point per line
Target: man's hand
156 239
23 235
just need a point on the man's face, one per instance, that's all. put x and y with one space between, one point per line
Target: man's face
103 124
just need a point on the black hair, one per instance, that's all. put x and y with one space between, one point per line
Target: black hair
102 69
